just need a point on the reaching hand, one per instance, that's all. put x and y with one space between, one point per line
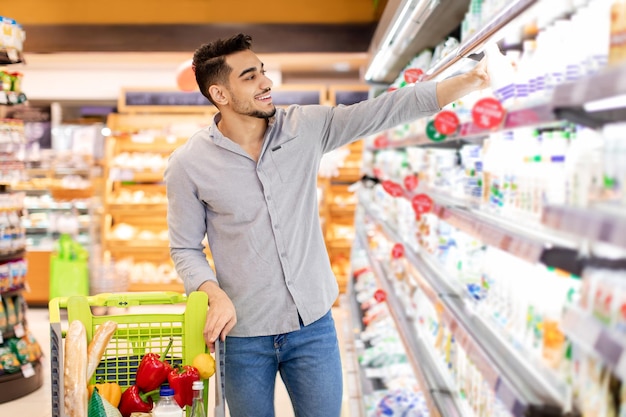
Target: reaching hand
480 75
221 316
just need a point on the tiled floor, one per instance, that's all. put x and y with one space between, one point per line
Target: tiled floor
38 403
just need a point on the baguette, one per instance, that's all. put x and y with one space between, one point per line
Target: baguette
75 370
98 344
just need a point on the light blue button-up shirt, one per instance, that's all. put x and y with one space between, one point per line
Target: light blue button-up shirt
261 218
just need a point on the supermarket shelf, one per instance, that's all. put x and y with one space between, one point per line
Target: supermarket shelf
532 116
422 362
122 174
510 12
523 388
144 245
13 386
569 99
593 336
362 386
530 242
12 291
10 56
600 223
418 29
58 206
148 144
437 285
16 254
137 209
12 98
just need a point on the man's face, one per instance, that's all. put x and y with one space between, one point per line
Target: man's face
249 88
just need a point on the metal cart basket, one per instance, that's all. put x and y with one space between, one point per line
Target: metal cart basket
136 334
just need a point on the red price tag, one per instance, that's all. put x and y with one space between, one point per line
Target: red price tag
411 182
488 113
394 189
381 141
380 295
413 75
446 122
397 251
422 204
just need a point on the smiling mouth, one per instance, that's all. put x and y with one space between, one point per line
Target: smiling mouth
264 97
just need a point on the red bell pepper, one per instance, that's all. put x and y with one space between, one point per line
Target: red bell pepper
153 370
181 380
133 401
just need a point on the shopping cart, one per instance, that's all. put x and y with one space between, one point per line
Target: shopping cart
139 330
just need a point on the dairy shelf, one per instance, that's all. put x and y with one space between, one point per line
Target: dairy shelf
590 334
531 242
571 100
537 115
525 389
418 353
599 223
470 45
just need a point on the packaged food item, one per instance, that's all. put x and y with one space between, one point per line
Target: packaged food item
3 318
5 277
9 361
9 305
20 306
20 348
33 348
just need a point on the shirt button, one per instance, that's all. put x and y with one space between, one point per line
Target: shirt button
268 197
275 226
282 255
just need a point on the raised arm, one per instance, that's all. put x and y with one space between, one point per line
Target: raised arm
454 88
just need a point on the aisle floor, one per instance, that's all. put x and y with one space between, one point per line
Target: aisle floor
38 403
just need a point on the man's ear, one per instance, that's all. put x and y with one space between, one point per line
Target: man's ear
217 94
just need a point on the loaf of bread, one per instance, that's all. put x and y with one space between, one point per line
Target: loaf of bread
98 344
75 370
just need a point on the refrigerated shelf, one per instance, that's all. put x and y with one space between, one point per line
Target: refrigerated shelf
595 338
525 389
472 44
418 353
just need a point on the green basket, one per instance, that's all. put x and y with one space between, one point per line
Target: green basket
137 333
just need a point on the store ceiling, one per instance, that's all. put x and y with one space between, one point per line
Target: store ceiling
333 35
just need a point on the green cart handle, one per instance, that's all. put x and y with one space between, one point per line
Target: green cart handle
122 300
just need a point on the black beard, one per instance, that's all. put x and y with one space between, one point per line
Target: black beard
262 115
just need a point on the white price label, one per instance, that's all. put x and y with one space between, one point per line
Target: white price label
1 338
18 329
28 370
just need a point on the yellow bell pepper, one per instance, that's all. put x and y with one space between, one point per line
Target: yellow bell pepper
110 391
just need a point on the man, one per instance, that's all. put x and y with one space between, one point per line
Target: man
249 183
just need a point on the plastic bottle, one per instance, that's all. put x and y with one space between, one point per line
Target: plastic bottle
167 406
501 74
197 406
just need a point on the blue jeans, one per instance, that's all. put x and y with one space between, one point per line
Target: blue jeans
309 364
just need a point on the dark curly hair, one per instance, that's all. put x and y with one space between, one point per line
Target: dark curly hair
209 61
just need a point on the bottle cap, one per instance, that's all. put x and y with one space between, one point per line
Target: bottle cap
166 391
197 385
